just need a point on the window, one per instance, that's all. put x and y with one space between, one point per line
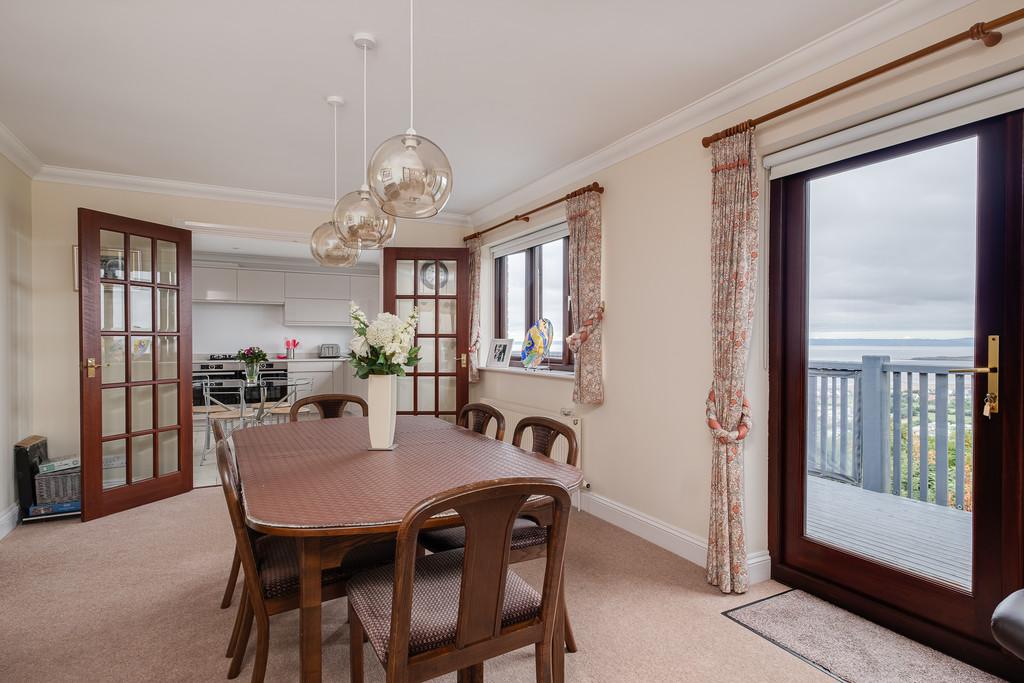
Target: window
532 282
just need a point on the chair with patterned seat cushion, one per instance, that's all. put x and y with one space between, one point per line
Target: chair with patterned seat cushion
270 567
528 538
426 616
477 417
328 405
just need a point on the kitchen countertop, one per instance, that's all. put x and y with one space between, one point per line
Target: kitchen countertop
272 359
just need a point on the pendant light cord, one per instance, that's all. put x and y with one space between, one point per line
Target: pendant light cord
335 188
411 64
364 109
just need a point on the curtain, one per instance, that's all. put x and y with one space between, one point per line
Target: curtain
734 254
583 212
474 309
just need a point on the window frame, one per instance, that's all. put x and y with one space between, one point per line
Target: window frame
534 288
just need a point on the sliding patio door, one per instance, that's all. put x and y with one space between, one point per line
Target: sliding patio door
896 383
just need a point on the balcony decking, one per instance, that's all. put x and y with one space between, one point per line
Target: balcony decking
923 538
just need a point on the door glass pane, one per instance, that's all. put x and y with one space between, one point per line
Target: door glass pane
403 307
167 357
552 296
142 408
114 457
140 258
446 355
425 395
111 307
426 282
112 411
111 255
515 299
168 442
404 277
142 457
112 357
426 309
446 393
142 309
889 431
427 352
167 310
404 387
166 263
167 411
446 316
142 359
447 273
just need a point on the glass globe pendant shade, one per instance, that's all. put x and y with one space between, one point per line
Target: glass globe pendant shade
360 222
328 249
410 177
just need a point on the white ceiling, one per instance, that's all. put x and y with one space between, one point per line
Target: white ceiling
231 92
231 245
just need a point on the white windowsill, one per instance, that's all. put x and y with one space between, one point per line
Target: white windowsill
549 374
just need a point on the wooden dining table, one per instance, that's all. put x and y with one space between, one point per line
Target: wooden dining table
319 482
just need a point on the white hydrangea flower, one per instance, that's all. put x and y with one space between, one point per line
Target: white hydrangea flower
359 346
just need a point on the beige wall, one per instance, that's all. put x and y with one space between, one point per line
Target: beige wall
15 312
647 447
55 303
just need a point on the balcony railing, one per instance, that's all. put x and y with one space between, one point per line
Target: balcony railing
898 427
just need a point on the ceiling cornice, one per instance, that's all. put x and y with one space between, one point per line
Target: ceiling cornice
19 155
183 188
871 30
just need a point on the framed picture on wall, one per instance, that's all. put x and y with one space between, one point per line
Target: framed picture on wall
499 353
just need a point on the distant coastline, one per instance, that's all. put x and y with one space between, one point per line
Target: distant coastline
958 341
958 350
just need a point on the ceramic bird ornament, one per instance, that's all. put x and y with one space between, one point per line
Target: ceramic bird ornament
537 344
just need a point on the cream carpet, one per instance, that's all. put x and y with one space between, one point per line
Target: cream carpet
134 597
850 647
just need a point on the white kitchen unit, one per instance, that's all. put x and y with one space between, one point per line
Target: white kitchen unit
319 372
316 286
260 287
319 312
366 294
214 284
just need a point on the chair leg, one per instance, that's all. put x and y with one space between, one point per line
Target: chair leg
259 665
570 637
542 655
239 617
243 639
229 590
471 674
355 646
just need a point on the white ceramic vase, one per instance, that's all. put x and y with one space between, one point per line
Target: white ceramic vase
382 397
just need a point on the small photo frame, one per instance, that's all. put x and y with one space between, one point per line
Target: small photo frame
499 353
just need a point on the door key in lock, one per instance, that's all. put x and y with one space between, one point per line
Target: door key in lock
990 400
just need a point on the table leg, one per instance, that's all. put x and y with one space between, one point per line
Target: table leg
309 609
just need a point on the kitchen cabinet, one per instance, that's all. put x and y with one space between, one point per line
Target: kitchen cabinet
260 287
214 284
366 294
319 373
317 286
321 312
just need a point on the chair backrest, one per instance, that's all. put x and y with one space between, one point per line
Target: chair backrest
328 405
477 417
243 535
218 431
545 432
488 510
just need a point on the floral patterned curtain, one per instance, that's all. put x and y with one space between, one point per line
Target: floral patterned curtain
474 309
583 212
734 254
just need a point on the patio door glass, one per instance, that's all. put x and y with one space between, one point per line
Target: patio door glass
435 281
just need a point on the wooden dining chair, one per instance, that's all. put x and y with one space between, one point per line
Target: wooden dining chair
328 405
431 615
270 567
236 562
528 537
477 417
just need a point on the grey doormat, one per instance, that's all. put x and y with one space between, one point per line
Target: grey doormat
848 647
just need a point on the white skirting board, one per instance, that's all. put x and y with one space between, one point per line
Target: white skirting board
678 541
8 520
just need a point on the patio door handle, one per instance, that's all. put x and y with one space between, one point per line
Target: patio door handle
992 371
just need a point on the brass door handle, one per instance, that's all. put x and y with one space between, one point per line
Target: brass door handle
90 367
992 371
464 360
968 371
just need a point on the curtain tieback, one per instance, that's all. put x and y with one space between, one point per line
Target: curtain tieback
578 338
715 426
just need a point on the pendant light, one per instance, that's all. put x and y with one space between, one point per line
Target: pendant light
408 174
357 217
325 244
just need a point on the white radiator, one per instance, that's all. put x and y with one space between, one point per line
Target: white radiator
514 412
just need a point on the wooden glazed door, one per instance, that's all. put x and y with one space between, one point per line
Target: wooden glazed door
436 282
135 310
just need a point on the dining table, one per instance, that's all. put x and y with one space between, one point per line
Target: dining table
319 482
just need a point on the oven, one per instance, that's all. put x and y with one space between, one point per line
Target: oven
215 372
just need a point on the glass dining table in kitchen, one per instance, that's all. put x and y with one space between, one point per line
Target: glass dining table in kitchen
238 394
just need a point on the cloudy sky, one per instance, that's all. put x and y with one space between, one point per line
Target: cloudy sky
892 247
